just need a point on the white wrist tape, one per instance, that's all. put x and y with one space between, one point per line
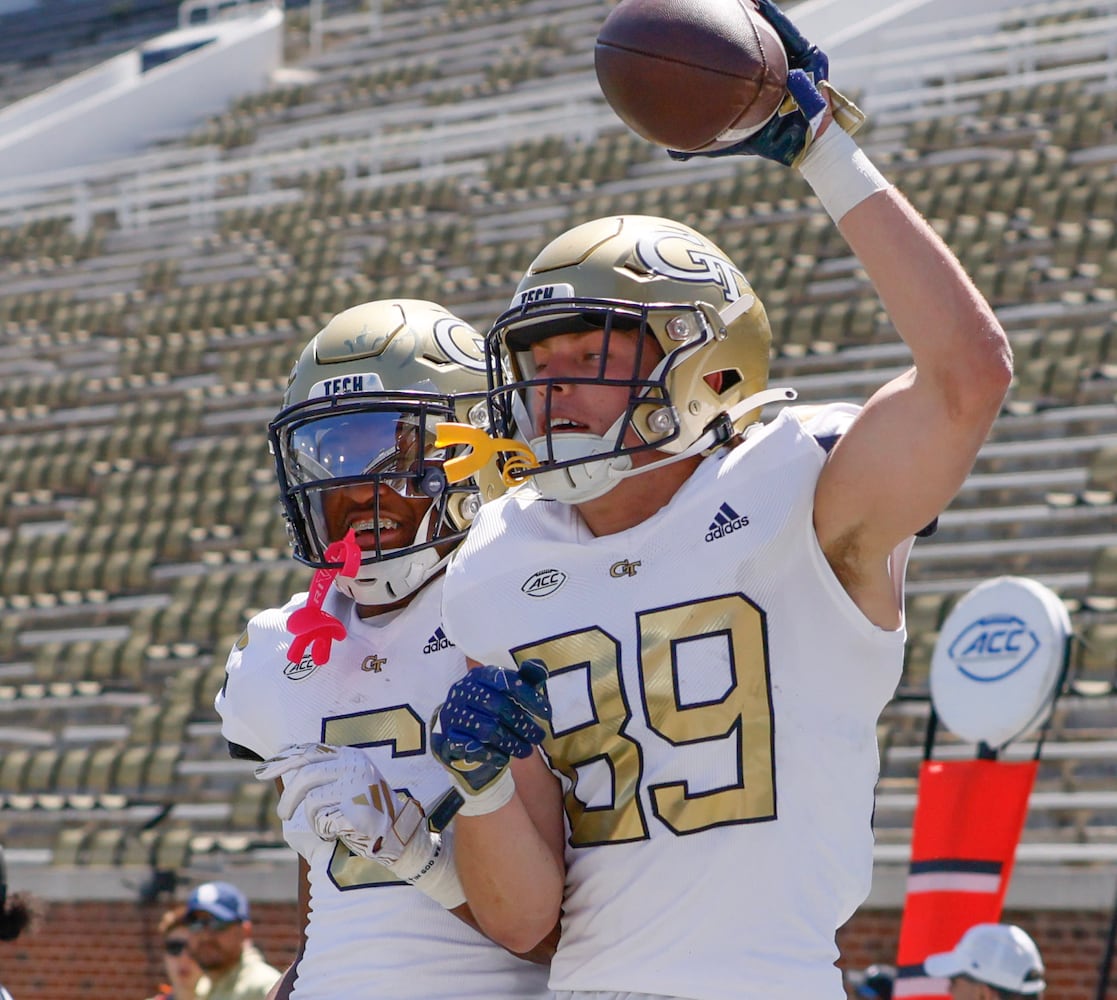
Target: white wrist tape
840 173
490 799
428 864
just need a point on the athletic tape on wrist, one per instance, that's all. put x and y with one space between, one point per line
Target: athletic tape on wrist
840 173
428 864
498 794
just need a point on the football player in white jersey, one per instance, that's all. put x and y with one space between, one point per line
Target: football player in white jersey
718 602
334 690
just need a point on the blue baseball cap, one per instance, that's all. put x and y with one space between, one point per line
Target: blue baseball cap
874 983
221 899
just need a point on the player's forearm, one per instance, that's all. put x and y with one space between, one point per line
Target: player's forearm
510 875
954 337
930 299
541 954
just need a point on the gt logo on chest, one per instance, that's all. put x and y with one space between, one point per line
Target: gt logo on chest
623 568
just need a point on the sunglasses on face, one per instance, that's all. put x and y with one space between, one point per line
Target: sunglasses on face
174 946
196 924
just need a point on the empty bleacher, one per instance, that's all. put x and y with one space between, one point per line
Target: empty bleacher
150 312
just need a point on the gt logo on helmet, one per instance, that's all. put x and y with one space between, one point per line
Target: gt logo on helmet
685 257
460 342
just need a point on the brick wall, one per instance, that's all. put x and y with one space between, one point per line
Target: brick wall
109 951
1072 945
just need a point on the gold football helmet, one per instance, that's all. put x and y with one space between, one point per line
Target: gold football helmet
632 273
360 409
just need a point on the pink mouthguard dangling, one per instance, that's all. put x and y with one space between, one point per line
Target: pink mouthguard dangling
310 625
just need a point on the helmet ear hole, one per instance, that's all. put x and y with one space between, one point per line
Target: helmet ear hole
724 380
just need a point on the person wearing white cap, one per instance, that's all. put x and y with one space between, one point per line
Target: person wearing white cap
991 962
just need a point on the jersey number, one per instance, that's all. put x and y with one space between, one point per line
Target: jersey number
741 718
402 730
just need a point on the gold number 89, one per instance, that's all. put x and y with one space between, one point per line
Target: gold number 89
741 717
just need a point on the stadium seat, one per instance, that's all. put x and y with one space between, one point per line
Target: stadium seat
105 847
254 808
1094 664
69 846
13 768
147 357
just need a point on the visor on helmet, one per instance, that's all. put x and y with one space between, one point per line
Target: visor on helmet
363 439
394 446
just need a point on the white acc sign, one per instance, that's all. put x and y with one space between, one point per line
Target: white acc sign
998 660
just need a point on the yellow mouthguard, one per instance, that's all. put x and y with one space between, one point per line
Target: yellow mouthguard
482 450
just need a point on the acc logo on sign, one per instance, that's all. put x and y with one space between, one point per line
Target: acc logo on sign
998 661
993 647
544 583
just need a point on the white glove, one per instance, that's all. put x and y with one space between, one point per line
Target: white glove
344 797
342 794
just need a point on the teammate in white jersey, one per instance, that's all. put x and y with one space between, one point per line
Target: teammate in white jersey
342 723
718 602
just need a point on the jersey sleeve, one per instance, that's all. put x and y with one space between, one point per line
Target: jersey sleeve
251 716
826 423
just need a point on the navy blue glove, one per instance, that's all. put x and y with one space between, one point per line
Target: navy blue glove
490 716
791 129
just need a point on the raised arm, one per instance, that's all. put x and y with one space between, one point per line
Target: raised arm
908 452
911 448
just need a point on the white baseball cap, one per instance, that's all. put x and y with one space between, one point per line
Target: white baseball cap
1000 955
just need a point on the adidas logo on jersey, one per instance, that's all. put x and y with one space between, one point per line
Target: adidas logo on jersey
437 641
725 521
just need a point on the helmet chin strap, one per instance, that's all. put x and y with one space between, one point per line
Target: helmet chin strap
592 479
392 579
395 579
585 481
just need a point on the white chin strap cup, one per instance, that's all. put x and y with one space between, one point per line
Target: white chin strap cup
577 483
393 579
594 478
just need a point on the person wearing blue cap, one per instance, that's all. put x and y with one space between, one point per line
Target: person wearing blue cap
217 917
873 983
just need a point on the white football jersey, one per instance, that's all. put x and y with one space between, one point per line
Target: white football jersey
368 935
715 694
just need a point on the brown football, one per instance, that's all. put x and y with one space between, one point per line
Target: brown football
693 75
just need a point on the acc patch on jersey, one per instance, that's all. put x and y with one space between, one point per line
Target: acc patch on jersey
301 670
544 583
